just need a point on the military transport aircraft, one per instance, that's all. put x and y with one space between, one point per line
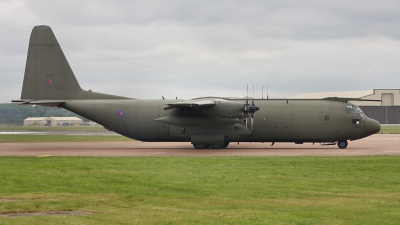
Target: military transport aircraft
210 122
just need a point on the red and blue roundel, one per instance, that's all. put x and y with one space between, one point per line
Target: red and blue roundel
121 113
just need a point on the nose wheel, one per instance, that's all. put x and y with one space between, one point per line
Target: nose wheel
342 144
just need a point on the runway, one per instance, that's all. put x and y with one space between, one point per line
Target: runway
378 144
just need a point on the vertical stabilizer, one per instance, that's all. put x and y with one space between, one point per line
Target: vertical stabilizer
47 72
48 78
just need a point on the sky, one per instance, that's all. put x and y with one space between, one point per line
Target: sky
187 49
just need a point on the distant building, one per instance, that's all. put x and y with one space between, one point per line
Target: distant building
52 121
386 111
90 123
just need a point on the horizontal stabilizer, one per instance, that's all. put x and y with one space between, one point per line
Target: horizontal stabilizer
51 103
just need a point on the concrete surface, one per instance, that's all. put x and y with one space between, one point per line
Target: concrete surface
378 144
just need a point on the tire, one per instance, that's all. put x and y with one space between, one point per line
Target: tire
200 146
342 144
217 146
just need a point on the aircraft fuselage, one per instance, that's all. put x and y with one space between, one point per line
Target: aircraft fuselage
278 120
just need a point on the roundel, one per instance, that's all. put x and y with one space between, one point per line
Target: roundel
121 113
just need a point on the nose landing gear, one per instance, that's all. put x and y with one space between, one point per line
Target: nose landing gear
342 144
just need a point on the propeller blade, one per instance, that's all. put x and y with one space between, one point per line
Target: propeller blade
252 101
247 96
252 120
249 110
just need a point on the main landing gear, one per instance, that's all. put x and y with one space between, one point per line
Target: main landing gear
342 144
213 146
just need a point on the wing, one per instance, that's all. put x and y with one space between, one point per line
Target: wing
190 104
220 108
340 99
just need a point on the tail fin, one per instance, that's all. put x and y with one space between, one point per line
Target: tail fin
47 72
48 78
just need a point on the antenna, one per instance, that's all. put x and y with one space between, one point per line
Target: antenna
262 92
246 107
253 96
267 91
247 95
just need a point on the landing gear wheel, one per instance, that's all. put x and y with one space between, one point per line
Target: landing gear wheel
217 146
342 144
200 146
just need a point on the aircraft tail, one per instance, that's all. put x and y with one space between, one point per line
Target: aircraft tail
48 75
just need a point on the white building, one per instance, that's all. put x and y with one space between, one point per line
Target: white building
52 121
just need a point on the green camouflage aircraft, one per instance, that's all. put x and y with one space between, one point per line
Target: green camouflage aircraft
211 122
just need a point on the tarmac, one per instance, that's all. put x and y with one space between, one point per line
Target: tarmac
378 144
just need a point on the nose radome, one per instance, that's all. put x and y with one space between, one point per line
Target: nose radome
372 126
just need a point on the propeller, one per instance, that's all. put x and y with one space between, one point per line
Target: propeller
250 110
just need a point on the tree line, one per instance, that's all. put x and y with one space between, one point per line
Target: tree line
14 114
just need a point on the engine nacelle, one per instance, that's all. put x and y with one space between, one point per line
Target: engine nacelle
224 109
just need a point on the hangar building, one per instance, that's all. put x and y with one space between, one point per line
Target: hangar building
386 111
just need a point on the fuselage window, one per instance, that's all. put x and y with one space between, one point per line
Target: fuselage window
356 121
182 130
361 113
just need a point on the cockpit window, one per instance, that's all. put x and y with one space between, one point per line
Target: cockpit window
351 109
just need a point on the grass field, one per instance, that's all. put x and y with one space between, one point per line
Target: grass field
390 129
210 190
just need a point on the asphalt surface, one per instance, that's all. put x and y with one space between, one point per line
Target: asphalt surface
378 144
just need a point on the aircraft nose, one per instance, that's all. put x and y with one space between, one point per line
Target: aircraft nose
372 126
